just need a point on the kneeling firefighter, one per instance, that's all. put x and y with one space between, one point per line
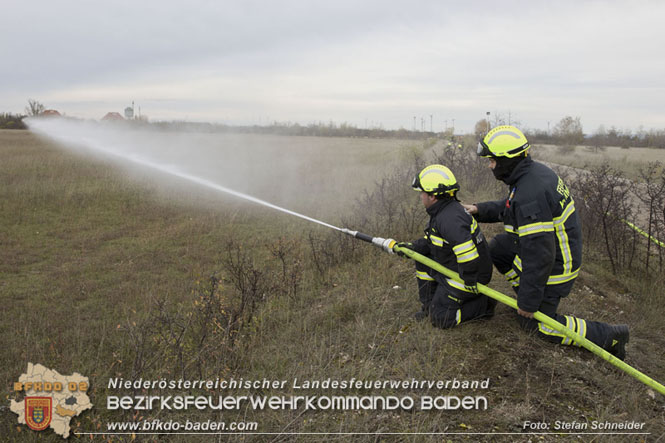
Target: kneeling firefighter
453 239
540 253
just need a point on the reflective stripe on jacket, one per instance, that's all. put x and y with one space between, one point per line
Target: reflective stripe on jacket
453 239
540 213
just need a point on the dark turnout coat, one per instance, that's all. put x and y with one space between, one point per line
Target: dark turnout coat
539 214
453 239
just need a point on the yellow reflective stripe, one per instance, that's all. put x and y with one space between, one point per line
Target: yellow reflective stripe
564 247
437 241
512 277
454 299
472 255
582 329
464 247
456 285
474 225
458 316
510 229
565 214
570 324
562 237
576 328
517 263
423 276
553 279
548 331
562 278
535 228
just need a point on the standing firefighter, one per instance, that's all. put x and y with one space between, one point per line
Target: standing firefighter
453 239
541 251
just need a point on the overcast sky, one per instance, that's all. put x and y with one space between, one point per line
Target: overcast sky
362 62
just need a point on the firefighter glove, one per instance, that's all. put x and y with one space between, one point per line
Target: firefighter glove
471 287
407 245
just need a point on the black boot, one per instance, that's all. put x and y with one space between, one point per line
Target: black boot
422 314
491 305
616 341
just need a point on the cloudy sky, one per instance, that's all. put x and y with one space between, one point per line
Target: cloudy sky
367 63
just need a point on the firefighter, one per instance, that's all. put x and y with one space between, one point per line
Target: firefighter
540 253
453 239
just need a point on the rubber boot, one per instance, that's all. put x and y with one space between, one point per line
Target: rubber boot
491 305
616 341
422 314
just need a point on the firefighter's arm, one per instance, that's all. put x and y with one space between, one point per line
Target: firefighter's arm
421 246
489 212
458 233
537 253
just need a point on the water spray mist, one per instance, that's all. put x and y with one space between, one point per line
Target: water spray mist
388 245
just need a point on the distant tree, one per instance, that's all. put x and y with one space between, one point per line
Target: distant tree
569 131
34 107
598 140
481 128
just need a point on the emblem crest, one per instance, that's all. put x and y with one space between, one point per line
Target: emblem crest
38 412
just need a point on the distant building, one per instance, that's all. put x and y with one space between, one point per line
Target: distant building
112 116
50 113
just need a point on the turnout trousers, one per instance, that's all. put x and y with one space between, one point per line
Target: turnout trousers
503 250
448 306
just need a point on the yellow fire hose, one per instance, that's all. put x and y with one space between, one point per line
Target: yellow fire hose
548 321
390 246
643 233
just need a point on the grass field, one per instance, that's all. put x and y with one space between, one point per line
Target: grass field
629 160
106 271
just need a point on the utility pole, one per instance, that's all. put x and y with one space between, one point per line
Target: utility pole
431 124
414 123
488 121
508 117
453 126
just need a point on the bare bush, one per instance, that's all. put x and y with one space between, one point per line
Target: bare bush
606 198
290 257
653 198
469 169
331 249
392 209
182 339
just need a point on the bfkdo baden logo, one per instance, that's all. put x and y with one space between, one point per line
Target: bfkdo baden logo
51 399
38 412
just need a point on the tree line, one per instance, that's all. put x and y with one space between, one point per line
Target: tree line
567 132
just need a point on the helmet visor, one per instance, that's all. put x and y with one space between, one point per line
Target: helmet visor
416 183
483 150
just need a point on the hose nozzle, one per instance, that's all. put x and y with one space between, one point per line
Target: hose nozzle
384 243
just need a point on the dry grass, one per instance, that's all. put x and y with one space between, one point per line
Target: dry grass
629 160
87 249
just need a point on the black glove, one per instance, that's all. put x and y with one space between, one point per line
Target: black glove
471 287
403 244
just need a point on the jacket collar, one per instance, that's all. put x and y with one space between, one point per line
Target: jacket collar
521 169
438 206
